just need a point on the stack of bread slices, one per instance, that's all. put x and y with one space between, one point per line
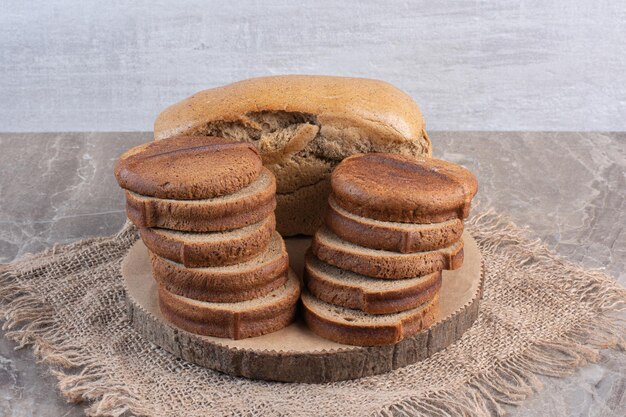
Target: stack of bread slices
374 270
204 207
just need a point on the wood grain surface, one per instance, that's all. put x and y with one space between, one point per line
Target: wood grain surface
295 353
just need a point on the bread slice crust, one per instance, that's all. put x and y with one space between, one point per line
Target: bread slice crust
391 236
241 320
331 249
399 188
247 206
371 295
196 250
352 327
226 284
188 167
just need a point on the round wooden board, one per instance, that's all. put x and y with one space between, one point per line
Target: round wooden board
295 354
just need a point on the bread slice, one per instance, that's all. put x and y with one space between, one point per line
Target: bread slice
331 249
398 188
247 206
233 283
391 236
354 327
188 168
241 320
371 295
195 250
303 126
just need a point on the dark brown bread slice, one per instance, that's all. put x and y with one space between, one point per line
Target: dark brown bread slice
226 284
383 264
400 188
391 236
354 327
195 250
371 295
188 167
240 320
247 206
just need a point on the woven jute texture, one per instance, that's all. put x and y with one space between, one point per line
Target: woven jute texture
540 315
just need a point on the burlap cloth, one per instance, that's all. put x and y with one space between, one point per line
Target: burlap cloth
540 315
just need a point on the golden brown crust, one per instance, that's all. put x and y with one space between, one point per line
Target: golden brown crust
234 247
370 300
188 168
376 106
239 282
384 264
359 334
210 215
391 236
214 320
398 188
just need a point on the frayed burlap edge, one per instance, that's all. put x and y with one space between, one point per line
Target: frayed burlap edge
31 323
512 381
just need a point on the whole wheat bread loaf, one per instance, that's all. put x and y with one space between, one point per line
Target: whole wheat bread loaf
391 236
371 295
302 126
331 249
241 320
354 327
195 250
242 281
247 206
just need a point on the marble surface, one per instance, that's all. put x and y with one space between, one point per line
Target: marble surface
569 189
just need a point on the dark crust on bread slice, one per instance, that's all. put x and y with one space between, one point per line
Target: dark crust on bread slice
383 264
398 188
370 300
188 167
223 213
352 333
391 236
234 283
236 246
219 320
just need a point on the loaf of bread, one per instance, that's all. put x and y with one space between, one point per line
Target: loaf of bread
303 126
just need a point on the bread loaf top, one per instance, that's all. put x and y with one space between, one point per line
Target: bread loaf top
374 106
172 169
400 188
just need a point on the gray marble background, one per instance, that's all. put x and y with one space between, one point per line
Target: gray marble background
95 65
569 189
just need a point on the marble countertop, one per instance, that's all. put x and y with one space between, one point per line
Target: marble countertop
569 189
